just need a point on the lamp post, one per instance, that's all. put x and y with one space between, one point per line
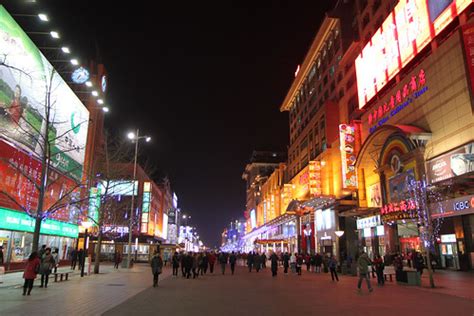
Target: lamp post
86 225
136 138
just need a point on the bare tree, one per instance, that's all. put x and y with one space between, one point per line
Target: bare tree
36 125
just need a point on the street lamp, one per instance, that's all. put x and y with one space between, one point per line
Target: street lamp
136 138
86 225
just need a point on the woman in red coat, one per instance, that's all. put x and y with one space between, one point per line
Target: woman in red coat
31 270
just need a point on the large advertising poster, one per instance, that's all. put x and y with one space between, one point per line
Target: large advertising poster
25 75
455 163
399 186
20 191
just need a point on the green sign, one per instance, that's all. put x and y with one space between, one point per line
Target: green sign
146 202
23 222
94 205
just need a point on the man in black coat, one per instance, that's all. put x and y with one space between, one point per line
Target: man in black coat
188 264
250 261
274 265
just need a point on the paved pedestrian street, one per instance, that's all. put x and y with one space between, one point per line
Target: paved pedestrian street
130 293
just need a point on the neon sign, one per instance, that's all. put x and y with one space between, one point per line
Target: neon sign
403 97
348 155
404 33
404 209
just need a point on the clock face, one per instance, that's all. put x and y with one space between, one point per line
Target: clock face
103 83
80 75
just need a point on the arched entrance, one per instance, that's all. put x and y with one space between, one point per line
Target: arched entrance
387 161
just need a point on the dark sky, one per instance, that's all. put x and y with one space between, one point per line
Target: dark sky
204 79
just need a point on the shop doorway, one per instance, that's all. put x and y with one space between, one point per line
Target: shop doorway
449 256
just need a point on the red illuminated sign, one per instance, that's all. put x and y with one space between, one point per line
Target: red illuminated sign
402 206
404 33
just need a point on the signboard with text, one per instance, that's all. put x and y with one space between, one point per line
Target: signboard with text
455 163
348 155
404 33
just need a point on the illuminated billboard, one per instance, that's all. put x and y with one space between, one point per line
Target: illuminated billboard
25 75
404 33
348 155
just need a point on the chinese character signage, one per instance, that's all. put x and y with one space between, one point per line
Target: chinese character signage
347 135
12 220
368 222
404 209
412 89
314 178
404 33
146 205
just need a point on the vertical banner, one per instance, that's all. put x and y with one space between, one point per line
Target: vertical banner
315 178
146 206
468 38
94 205
347 135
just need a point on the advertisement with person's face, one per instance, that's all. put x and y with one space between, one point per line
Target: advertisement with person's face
26 78
374 198
399 184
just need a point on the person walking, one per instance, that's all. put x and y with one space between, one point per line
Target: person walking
73 259
299 263
232 261
379 267
55 255
47 264
31 270
223 261
293 263
250 261
175 263
212 261
205 263
274 264
117 259
195 266
318 262
80 258
156 267
257 262
286 262
263 260
363 264
41 251
188 264
182 260
419 263
333 267
307 261
312 262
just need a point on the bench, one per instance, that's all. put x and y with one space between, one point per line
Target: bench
388 274
62 276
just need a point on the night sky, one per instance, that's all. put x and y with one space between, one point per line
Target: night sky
204 79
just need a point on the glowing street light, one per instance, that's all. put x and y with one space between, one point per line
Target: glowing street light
43 17
89 84
65 50
54 34
75 62
100 101
95 93
105 109
134 136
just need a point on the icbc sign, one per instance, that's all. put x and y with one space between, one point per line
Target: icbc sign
404 33
463 205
